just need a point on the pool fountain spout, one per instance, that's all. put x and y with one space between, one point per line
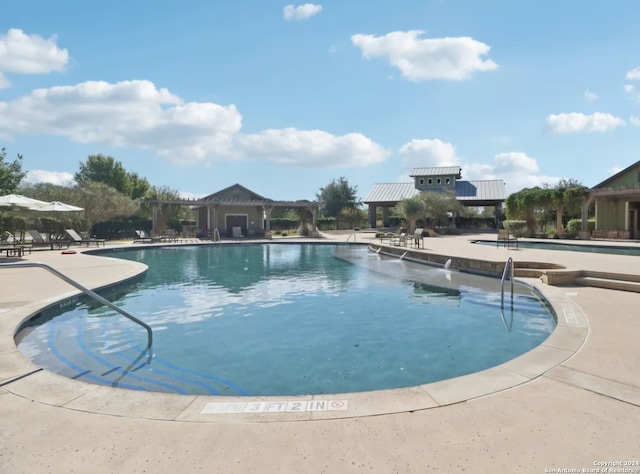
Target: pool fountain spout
403 255
447 265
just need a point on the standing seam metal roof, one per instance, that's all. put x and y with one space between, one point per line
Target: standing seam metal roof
440 171
487 190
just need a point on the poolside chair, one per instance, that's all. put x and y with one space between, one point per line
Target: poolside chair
144 237
9 239
505 238
37 240
170 235
85 236
80 240
400 240
416 238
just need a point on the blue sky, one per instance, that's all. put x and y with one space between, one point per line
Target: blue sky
282 98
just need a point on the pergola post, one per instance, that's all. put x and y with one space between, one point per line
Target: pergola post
314 227
267 214
385 217
585 214
154 219
372 216
498 214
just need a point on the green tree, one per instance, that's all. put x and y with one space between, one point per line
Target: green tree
105 169
437 205
10 174
101 202
411 209
526 204
336 196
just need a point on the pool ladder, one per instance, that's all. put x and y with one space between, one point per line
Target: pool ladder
352 235
87 292
508 267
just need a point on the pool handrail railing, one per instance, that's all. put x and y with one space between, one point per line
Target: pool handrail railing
508 266
86 291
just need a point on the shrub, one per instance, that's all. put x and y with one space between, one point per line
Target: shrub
516 228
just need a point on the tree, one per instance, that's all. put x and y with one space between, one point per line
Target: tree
337 195
102 202
568 197
437 205
10 174
526 204
411 209
105 169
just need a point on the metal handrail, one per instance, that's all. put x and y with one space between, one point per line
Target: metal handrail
507 266
216 235
86 291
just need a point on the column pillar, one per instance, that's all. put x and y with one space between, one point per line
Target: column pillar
267 215
385 217
154 218
372 216
314 227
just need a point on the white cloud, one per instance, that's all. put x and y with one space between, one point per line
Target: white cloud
516 169
590 96
421 59
615 169
314 148
301 12
633 90
140 115
427 153
29 54
634 121
60 178
633 74
581 123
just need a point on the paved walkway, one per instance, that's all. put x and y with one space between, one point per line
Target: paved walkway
574 414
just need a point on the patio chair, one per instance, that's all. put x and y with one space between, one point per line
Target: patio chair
85 236
144 237
505 238
400 240
416 238
37 240
10 239
170 235
80 240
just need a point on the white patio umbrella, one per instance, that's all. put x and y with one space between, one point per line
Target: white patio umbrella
57 206
17 200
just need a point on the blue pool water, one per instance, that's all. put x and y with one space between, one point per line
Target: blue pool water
286 320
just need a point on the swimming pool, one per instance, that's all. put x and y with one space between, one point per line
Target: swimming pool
608 249
286 319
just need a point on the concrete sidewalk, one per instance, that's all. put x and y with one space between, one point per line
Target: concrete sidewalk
570 414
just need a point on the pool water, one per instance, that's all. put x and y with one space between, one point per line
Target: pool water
286 319
608 249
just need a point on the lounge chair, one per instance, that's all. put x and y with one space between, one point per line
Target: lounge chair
10 239
80 240
170 235
144 237
37 240
506 239
85 236
12 250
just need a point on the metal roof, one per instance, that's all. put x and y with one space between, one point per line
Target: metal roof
391 192
441 171
486 190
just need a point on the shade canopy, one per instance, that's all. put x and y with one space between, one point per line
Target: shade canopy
17 200
57 206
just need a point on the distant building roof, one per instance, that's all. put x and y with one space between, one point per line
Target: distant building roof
441 171
391 192
486 190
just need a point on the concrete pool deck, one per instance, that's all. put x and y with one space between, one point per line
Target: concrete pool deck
573 402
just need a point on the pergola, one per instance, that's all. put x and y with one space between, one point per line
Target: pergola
213 204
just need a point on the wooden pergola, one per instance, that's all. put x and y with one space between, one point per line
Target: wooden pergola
213 204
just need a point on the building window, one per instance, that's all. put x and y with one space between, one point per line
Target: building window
421 180
438 181
430 181
447 180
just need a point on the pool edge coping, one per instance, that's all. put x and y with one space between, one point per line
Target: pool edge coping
36 384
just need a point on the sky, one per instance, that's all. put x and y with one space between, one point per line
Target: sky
282 98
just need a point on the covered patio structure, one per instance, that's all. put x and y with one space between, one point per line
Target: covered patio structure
234 212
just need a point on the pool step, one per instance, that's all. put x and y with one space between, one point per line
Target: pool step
611 281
